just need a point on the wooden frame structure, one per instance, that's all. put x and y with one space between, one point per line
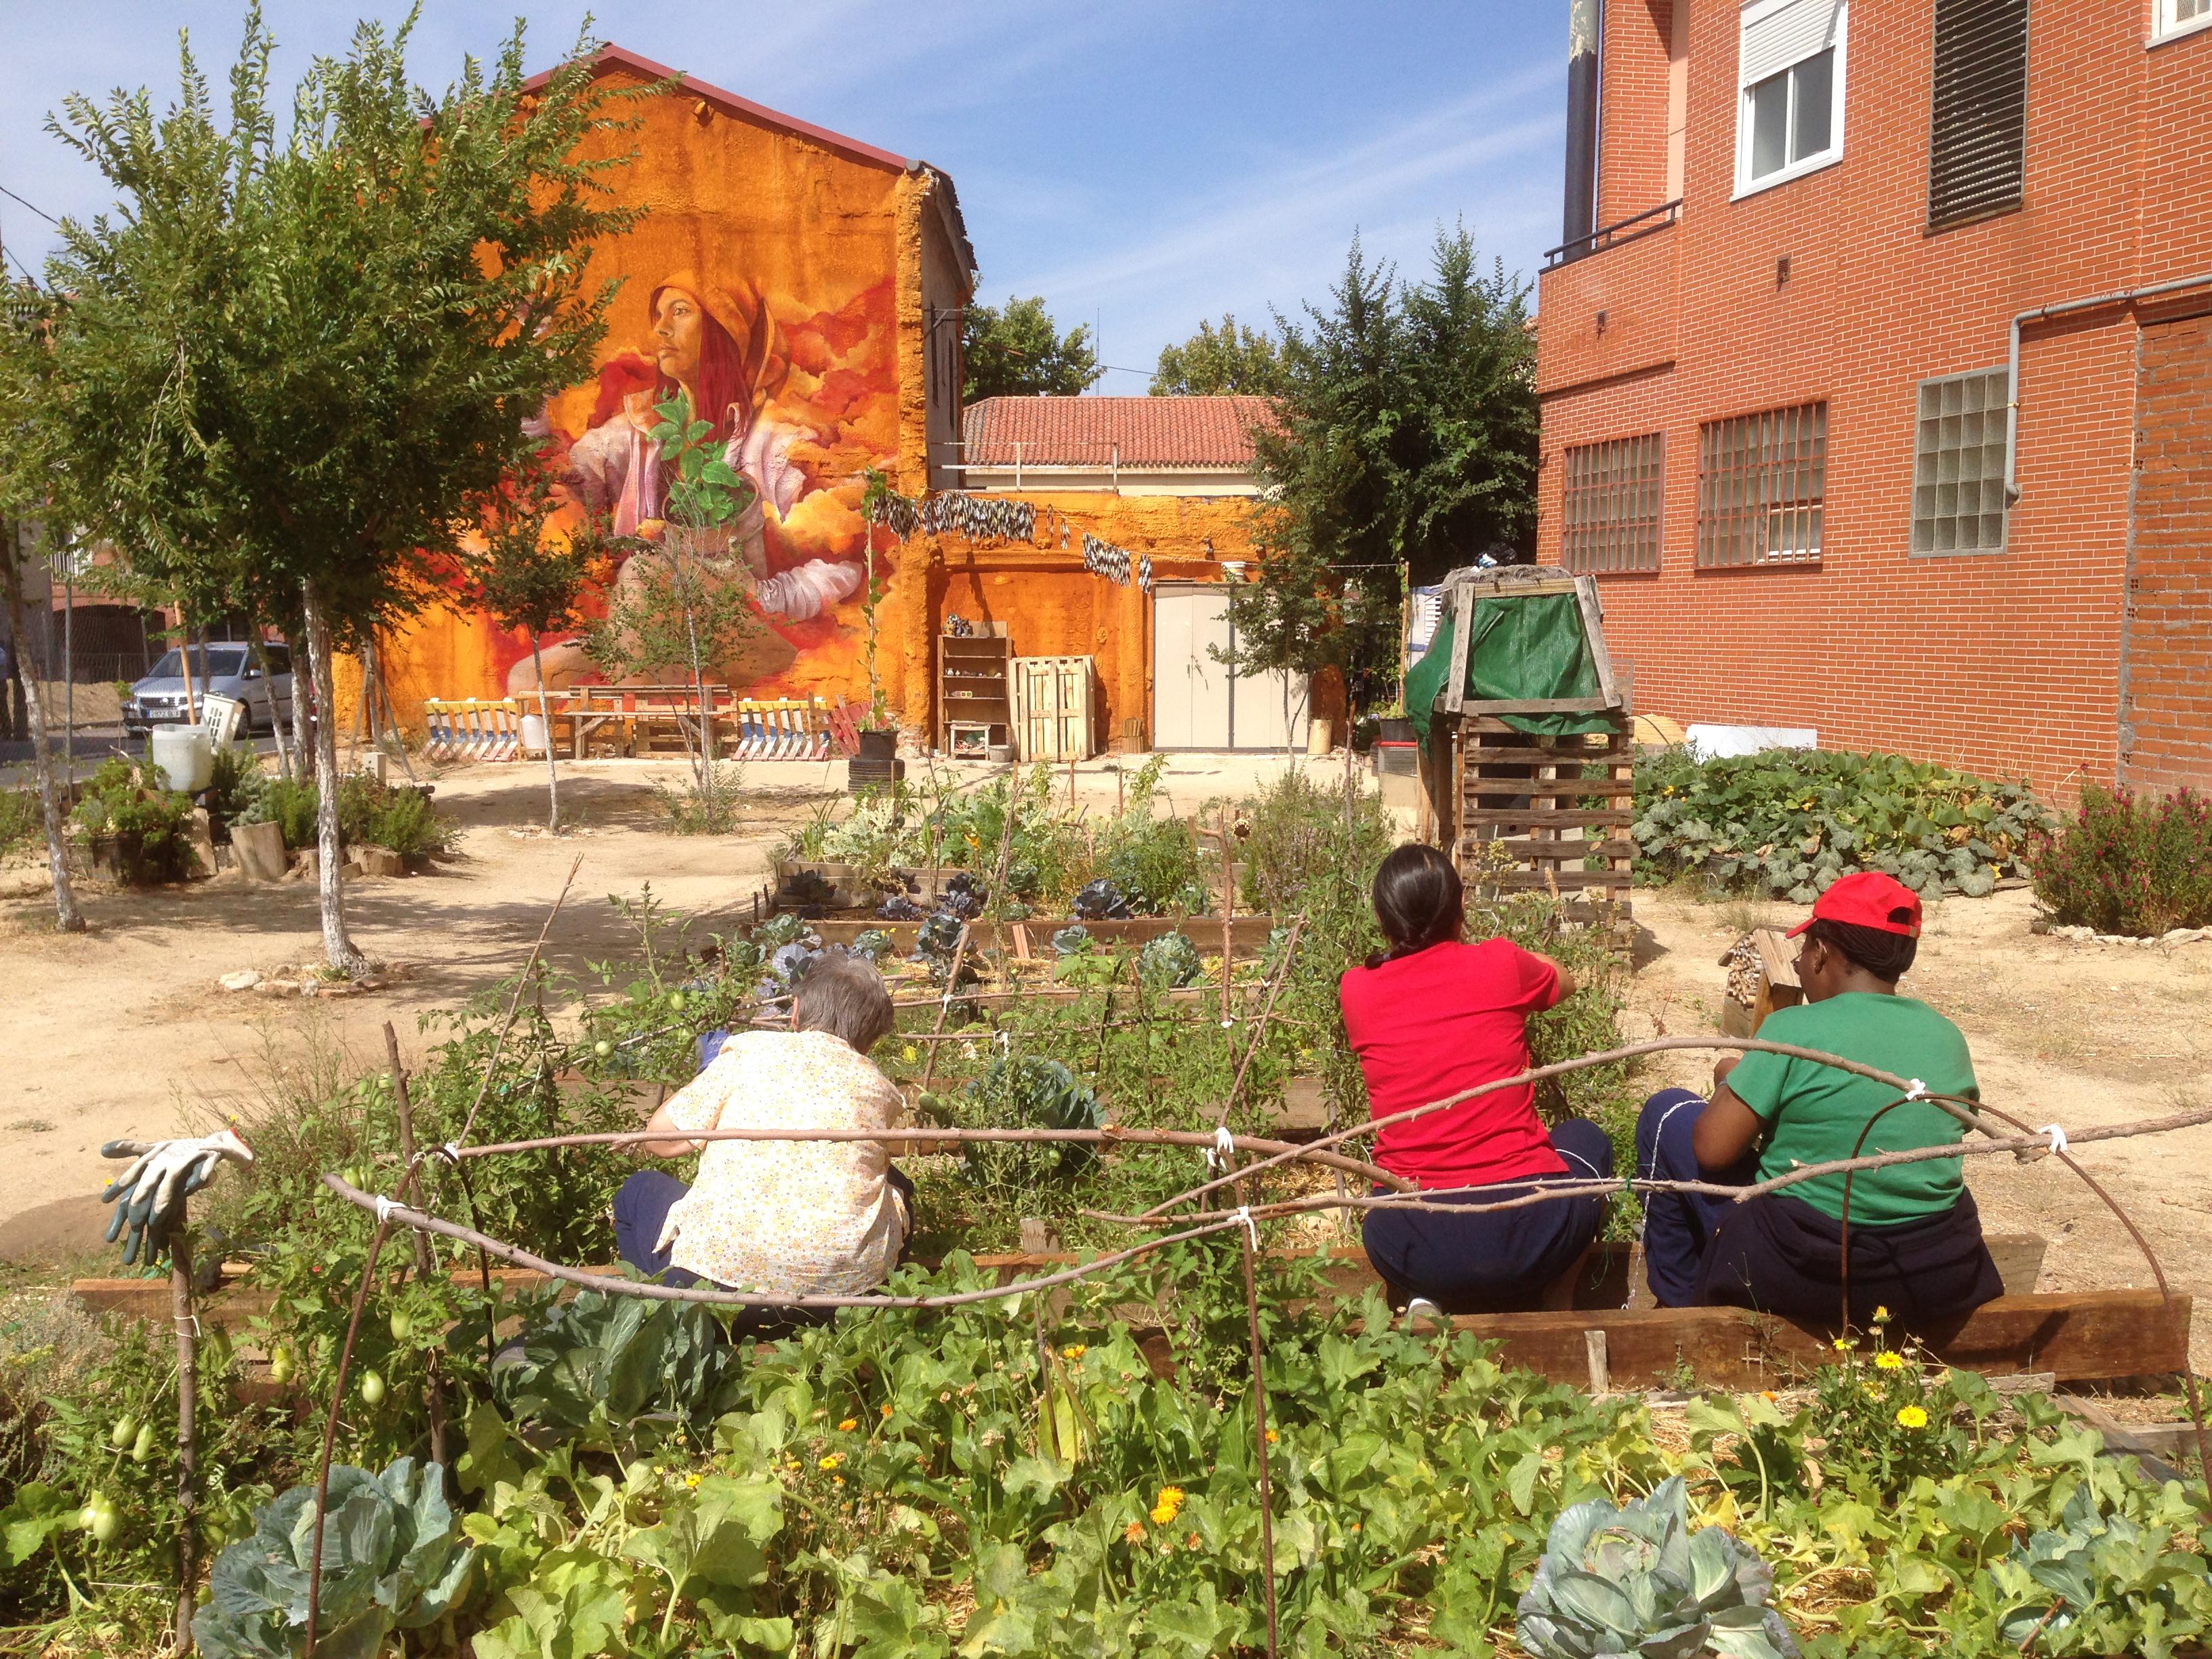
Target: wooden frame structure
1529 813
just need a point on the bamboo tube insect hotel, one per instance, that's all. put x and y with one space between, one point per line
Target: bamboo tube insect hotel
1526 758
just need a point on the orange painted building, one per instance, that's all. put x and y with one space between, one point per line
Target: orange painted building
1876 373
809 287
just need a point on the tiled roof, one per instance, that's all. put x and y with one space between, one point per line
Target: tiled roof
1086 431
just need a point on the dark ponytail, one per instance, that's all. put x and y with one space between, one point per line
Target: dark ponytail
1418 901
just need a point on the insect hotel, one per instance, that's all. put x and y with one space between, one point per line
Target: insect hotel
1526 759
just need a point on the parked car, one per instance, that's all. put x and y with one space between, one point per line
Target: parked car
226 670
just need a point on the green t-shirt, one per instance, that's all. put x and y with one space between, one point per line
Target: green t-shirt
1813 1113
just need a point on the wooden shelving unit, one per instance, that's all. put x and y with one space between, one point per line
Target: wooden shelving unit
974 684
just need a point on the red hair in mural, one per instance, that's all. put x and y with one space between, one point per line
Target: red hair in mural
625 373
715 347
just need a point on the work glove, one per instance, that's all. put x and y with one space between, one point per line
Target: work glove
149 1196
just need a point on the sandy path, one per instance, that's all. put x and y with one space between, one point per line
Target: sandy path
2077 1033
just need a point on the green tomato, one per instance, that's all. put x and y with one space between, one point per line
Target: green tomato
603 1048
280 1364
106 1523
371 1389
125 1427
675 1000
402 1325
84 1518
142 1448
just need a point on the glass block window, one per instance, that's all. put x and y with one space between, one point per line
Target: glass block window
1610 511
1762 481
1959 462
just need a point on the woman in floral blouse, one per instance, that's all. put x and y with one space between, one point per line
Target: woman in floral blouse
782 1217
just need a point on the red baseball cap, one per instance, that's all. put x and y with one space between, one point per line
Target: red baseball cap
1868 898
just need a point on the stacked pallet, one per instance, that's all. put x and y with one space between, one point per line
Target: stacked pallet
1546 814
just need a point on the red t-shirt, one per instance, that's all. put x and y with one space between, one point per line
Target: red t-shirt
1444 1019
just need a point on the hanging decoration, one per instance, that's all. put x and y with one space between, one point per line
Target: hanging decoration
1104 559
981 518
1144 575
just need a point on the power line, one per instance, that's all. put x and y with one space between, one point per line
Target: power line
33 206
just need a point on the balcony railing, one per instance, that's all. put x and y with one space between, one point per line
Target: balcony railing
1626 230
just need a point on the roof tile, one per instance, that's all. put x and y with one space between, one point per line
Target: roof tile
1177 431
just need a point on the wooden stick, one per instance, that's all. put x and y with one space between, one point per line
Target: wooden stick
423 1265
188 1456
1259 1027
944 1004
331 1429
514 1002
1260 1431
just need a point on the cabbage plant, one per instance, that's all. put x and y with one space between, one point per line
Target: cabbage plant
1637 1580
392 1559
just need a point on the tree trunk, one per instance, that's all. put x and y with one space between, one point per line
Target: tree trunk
343 954
545 715
303 721
275 719
68 918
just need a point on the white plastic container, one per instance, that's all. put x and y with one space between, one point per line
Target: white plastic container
533 734
184 756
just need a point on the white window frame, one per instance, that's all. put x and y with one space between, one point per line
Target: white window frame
1757 11
2167 24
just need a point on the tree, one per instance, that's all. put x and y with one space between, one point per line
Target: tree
1214 362
1017 352
26 460
526 577
310 360
1405 444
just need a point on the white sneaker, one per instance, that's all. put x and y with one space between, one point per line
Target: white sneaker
1421 1308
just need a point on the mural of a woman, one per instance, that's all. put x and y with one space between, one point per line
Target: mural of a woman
721 354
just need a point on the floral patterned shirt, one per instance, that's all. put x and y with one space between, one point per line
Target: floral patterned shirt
789 1218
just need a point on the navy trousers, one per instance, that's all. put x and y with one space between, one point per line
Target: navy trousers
1501 1261
1779 1255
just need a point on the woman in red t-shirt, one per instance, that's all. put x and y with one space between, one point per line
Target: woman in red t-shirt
1431 1018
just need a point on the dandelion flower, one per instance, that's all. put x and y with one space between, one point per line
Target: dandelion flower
1889 1360
1911 1417
1167 1505
849 1425
831 1461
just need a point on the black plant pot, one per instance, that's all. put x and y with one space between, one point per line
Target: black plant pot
878 746
1395 728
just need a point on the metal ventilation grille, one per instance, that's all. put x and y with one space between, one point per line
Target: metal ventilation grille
1978 132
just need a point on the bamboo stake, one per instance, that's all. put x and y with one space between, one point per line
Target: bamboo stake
330 1427
423 1264
1259 1027
1260 1428
188 1404
514 1002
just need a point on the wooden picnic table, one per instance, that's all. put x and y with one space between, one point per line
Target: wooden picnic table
642 719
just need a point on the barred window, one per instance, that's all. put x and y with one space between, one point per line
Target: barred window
1978 126
1761 482
1959 462
1610 513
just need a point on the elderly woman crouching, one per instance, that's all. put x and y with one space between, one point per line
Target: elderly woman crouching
781 1218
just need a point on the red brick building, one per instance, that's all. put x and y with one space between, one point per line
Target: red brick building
1876 373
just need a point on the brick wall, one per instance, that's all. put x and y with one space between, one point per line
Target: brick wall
1633 138
2166 663
2008 662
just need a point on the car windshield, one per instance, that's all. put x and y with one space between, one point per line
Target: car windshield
216 663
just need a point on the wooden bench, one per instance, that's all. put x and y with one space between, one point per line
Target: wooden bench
632 720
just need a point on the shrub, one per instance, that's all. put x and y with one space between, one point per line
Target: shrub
2125 864
288 803
143 821
1788 822
397 818
19 819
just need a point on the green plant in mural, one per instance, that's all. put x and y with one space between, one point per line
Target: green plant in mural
872 501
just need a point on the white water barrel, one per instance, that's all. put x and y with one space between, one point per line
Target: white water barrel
184 756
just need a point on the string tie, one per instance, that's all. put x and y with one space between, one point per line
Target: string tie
385 1207
1251 1227
1917 1091
1224 1148
451 1151
2058 1144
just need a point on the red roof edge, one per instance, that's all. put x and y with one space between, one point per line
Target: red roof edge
621 57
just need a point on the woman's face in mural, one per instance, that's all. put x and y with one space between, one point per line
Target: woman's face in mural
677 326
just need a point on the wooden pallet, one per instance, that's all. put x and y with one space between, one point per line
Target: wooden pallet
1549 805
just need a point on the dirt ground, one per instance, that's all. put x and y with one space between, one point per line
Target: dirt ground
123 1032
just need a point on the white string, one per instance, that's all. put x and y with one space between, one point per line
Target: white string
1917 1091
1252 1227
451 1151
385 1207
2057 1136
1224 1148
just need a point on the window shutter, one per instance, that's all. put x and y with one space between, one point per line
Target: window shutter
1776 35
1978 132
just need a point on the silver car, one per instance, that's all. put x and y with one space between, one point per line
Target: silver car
225 669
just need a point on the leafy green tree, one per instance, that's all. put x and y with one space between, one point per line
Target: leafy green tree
1405 445
311 358
526 578
1018 351
1213 362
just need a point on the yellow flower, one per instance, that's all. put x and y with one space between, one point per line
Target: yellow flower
1889 1361
837 1480
849 1425
1911 1417
887 1410
831 1461
1133 1533
691 1480
1074 1351
1881 1315
909 1053
1845 1345
1271 1436
1167 1505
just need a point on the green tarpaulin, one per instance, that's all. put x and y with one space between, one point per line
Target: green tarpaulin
1526 646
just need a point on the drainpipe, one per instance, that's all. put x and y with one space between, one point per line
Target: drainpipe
2040 314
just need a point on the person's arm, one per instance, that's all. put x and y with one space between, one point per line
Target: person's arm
663 1118
1568 986
1725 1131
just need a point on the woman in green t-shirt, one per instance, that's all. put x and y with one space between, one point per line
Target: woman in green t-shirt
1916 1237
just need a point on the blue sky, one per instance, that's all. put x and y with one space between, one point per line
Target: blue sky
1141 164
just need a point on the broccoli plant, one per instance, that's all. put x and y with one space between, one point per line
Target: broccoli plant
1639 1581
392 1559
